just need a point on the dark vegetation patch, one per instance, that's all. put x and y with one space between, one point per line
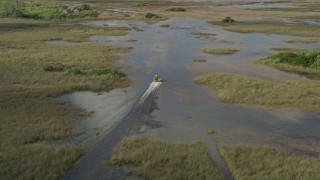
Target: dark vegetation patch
303 62
304 58
164 160
165 25
283 49
151 16
228 19
177 9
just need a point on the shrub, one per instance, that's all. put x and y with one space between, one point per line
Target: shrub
151 16
228 19
83 14
302 58
177 9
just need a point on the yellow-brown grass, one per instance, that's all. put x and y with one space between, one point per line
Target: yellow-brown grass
234 88
163 160
29 112
254 162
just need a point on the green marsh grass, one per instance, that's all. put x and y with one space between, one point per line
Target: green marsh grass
301 61
40 11
177 9
254 162
164 160
199 60
220 51
232 88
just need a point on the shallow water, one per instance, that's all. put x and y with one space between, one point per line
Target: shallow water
185 108
181 111
170 51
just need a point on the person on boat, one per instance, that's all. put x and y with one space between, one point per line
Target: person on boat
156 78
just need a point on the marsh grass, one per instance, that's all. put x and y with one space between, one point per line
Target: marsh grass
272 28
36 162
232 88
303 40
254 162
77 33
303 62
220 51
41 11
177 9
207 36
32 74
283 49
164 160
227 41
199 60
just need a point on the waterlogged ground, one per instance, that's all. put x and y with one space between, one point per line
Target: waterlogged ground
182 110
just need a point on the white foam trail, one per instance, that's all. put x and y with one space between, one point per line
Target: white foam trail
151 89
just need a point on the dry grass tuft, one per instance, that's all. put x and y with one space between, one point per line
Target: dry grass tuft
220 51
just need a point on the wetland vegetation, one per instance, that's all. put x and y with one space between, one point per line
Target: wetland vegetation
304 40
39 10
272 28
164 160
255 162
33 73
234 88
220 51
199 60
302 61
